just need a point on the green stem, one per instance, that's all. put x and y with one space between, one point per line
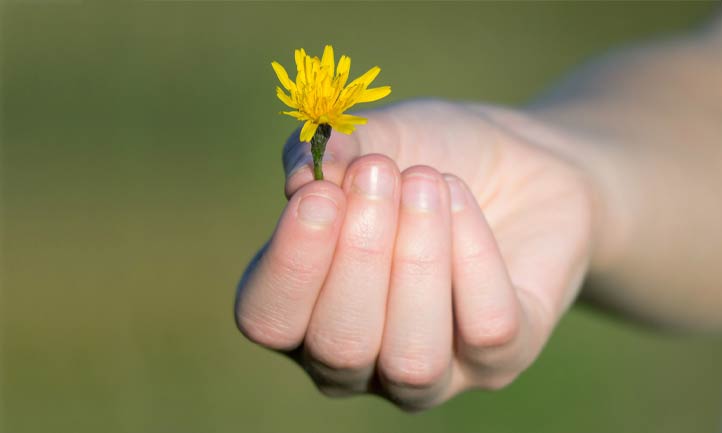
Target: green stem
318 147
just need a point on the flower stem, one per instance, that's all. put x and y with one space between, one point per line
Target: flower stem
318 147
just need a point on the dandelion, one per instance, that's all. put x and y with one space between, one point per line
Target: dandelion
320 97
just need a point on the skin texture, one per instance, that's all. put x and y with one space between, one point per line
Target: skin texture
448 239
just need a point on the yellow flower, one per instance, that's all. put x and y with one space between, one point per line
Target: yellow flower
319 96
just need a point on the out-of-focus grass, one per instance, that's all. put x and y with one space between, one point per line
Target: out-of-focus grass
141 170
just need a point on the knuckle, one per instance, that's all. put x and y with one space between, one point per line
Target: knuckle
491 329
412 372
339 352
364 239
268 331
364 250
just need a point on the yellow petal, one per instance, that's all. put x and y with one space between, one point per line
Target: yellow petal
366 78
285 98
345 128
344 68
300 55
308 130
348 97
346 123
295 114
354 120
308 70
370 95
283 76
327 59
351 94
300 67
318 94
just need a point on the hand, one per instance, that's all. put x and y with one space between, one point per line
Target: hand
393 278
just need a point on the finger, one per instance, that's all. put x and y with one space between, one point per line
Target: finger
417 342
344 335
486 308
276 297
341 149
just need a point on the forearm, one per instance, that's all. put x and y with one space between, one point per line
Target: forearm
647 125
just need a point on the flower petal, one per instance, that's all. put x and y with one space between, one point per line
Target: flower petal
345 128
308 130
343 70
285 98
283 76
370 95
354 120
352 93
319 94
295 114
366 78
308 71
348 97
327 60
300 56
300 68
346 123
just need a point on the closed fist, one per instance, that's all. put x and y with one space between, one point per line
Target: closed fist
437 256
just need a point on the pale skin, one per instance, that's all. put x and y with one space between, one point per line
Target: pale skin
448 239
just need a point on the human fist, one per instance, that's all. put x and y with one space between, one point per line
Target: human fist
399 278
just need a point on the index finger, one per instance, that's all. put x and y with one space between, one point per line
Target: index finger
277 295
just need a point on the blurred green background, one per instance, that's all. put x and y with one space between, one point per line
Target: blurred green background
141 170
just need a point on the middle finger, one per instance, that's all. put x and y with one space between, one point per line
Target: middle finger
346 327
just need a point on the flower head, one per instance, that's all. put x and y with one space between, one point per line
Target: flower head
320 95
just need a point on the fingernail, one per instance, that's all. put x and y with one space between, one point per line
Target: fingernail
456 191
420 192
375 181
316 209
